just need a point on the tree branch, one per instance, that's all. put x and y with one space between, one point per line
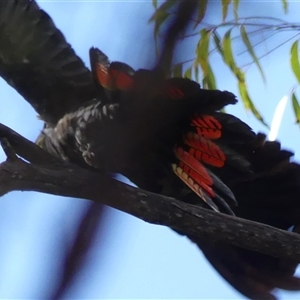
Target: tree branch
49 175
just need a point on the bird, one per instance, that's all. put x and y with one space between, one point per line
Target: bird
167 135
174 140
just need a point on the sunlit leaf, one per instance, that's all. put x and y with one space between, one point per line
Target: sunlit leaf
209 80
188 73
229 58
177 72
251 50
202 5
285 6
225 4
236 8
227 49
249 103
295 60
202 53
296 107
203 46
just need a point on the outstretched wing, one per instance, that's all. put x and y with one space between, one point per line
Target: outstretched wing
37 61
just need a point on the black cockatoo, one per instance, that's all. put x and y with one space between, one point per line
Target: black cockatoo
166 135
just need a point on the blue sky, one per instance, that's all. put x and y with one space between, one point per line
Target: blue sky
140 260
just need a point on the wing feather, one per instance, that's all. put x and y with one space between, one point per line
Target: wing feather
38 62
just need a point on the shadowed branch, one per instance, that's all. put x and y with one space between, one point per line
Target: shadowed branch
65 179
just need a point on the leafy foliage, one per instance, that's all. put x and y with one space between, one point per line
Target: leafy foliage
223 39
296 69
296 107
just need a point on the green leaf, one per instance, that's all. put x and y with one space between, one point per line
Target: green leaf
202 54
218 44
188 73
228 57
159 18
202 5
251 50
236 8
209 79
161 14
285 6
163 8
225 4
154 3
295 60
227 49
296 107
177 72
239 74
203 45
249 103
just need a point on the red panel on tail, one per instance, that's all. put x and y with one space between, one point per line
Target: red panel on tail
195 170
207 126
173 92
193 163
205 150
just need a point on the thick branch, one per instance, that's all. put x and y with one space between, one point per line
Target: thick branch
60 178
